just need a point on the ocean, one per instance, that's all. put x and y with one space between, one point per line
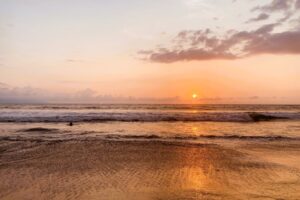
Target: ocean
184 123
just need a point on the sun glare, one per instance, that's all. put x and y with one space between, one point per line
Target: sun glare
194 96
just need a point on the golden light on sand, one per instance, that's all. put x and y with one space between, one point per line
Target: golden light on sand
195 96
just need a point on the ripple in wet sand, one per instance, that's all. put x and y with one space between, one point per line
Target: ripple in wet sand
140 170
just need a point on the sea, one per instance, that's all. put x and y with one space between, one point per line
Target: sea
168 122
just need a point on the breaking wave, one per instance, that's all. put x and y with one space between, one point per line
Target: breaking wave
211 137
39 129
59 116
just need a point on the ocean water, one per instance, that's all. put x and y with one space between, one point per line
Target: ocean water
184 123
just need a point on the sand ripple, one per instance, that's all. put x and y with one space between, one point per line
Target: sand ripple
142 170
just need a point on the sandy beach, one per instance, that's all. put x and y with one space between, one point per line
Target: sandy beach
101 169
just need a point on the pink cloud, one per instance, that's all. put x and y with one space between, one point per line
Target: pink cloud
205 45
260 17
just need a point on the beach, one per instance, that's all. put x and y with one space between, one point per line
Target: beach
89 169
149 152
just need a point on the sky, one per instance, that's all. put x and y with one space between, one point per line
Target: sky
150 51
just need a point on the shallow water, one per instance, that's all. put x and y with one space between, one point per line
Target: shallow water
184 131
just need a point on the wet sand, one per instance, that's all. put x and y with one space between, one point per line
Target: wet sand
144 170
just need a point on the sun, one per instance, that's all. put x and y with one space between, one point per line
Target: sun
195 96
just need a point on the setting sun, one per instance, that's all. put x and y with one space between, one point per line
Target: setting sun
194 96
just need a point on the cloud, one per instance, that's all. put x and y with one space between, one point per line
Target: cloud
287 7
272 38
297 4
276 5
189 54
279 43
203 45
260 17
35 95
3 85
10 94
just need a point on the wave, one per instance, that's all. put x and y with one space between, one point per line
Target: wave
146 116
190 137
257 117
39 129
154 137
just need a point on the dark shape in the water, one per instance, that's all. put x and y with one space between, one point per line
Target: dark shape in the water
257 117
39 129
70 123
